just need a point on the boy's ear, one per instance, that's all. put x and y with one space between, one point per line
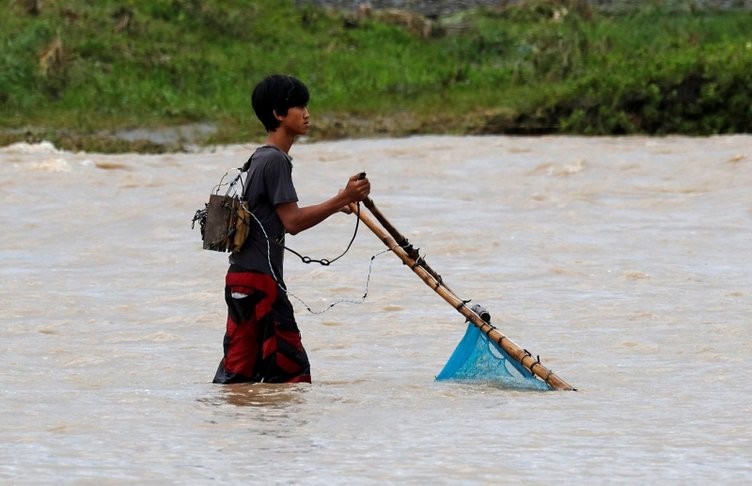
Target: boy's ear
278 117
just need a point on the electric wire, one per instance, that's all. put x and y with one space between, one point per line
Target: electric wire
305 259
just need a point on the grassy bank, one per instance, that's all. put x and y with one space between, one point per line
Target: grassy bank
77 72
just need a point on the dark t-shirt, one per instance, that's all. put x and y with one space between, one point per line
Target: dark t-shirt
267 184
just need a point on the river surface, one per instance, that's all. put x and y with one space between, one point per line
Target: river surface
624 263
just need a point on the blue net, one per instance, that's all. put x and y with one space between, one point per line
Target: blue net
478 359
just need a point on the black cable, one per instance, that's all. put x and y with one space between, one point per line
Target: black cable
323 261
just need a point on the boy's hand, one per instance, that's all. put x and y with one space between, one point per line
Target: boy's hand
358 188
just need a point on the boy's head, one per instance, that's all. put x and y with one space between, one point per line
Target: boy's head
275 95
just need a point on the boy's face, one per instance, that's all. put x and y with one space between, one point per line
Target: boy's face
296 121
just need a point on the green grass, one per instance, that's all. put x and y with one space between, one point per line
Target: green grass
544 67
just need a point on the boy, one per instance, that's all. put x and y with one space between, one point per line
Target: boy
262 341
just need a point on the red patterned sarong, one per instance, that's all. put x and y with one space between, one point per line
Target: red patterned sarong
262 341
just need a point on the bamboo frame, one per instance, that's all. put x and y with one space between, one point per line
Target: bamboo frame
399 245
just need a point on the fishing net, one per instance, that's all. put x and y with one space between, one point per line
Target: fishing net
478 359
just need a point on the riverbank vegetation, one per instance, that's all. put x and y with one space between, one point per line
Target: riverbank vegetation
93 75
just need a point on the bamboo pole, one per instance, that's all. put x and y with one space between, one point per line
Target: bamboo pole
411 251
430 278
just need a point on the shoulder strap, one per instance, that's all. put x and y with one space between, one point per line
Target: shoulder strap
247 165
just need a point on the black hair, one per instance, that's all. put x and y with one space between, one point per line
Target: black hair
276 94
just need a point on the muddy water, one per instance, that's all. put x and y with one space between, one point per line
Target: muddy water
623 262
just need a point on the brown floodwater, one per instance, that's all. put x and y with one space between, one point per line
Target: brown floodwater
624 263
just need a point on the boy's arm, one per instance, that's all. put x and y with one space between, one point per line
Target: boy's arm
296 219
